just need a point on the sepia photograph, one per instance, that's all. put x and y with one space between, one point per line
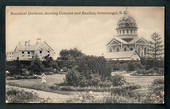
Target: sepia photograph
81 54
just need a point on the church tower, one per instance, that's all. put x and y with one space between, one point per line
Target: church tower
126 44
127 28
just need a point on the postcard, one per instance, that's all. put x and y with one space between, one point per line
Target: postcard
81 54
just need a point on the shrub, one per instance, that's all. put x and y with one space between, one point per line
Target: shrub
72 78
118 80
106 83
156 92
21 96
159 81
151 71
88 71
26 77
126 91
25 72
130 66
115 98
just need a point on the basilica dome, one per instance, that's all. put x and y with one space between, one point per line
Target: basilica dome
126 22
126 27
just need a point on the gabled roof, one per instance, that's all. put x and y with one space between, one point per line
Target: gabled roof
118 40
43 45
143 39
23 47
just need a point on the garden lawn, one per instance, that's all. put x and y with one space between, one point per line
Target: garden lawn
36 83
143 81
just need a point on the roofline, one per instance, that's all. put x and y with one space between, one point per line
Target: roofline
49 46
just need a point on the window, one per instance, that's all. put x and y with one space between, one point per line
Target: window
28 52
40 51
131 49
110 49
125 49
48 51
145 51
138 50
127 31
117 49
22 52
123 31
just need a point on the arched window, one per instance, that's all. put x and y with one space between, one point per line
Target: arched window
127 31
131 49
123 31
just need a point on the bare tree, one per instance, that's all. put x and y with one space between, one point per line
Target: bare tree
156 46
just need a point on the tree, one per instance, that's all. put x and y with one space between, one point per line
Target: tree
48 62
67 57
36 66
70 54
156 46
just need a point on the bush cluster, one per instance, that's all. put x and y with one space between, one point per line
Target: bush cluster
125 65
21 96
88 71
156 92
118 80
27 68
151 71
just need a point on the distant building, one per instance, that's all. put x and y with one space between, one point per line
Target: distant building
127 45
25 51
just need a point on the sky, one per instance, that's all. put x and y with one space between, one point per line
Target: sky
87 31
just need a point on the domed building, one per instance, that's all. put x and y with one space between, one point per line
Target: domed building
127 45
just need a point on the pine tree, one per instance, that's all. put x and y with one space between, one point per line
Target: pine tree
156 46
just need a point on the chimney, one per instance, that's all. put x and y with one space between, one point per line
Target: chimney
26 43
38 40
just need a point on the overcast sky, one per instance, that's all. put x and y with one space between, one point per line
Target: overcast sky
88 33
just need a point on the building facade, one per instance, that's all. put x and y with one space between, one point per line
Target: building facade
127 41
24 51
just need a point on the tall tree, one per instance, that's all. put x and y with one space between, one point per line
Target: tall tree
36 66
156 46
70 54
67 57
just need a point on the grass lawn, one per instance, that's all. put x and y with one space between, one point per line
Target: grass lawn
51 79
36 83
143 81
